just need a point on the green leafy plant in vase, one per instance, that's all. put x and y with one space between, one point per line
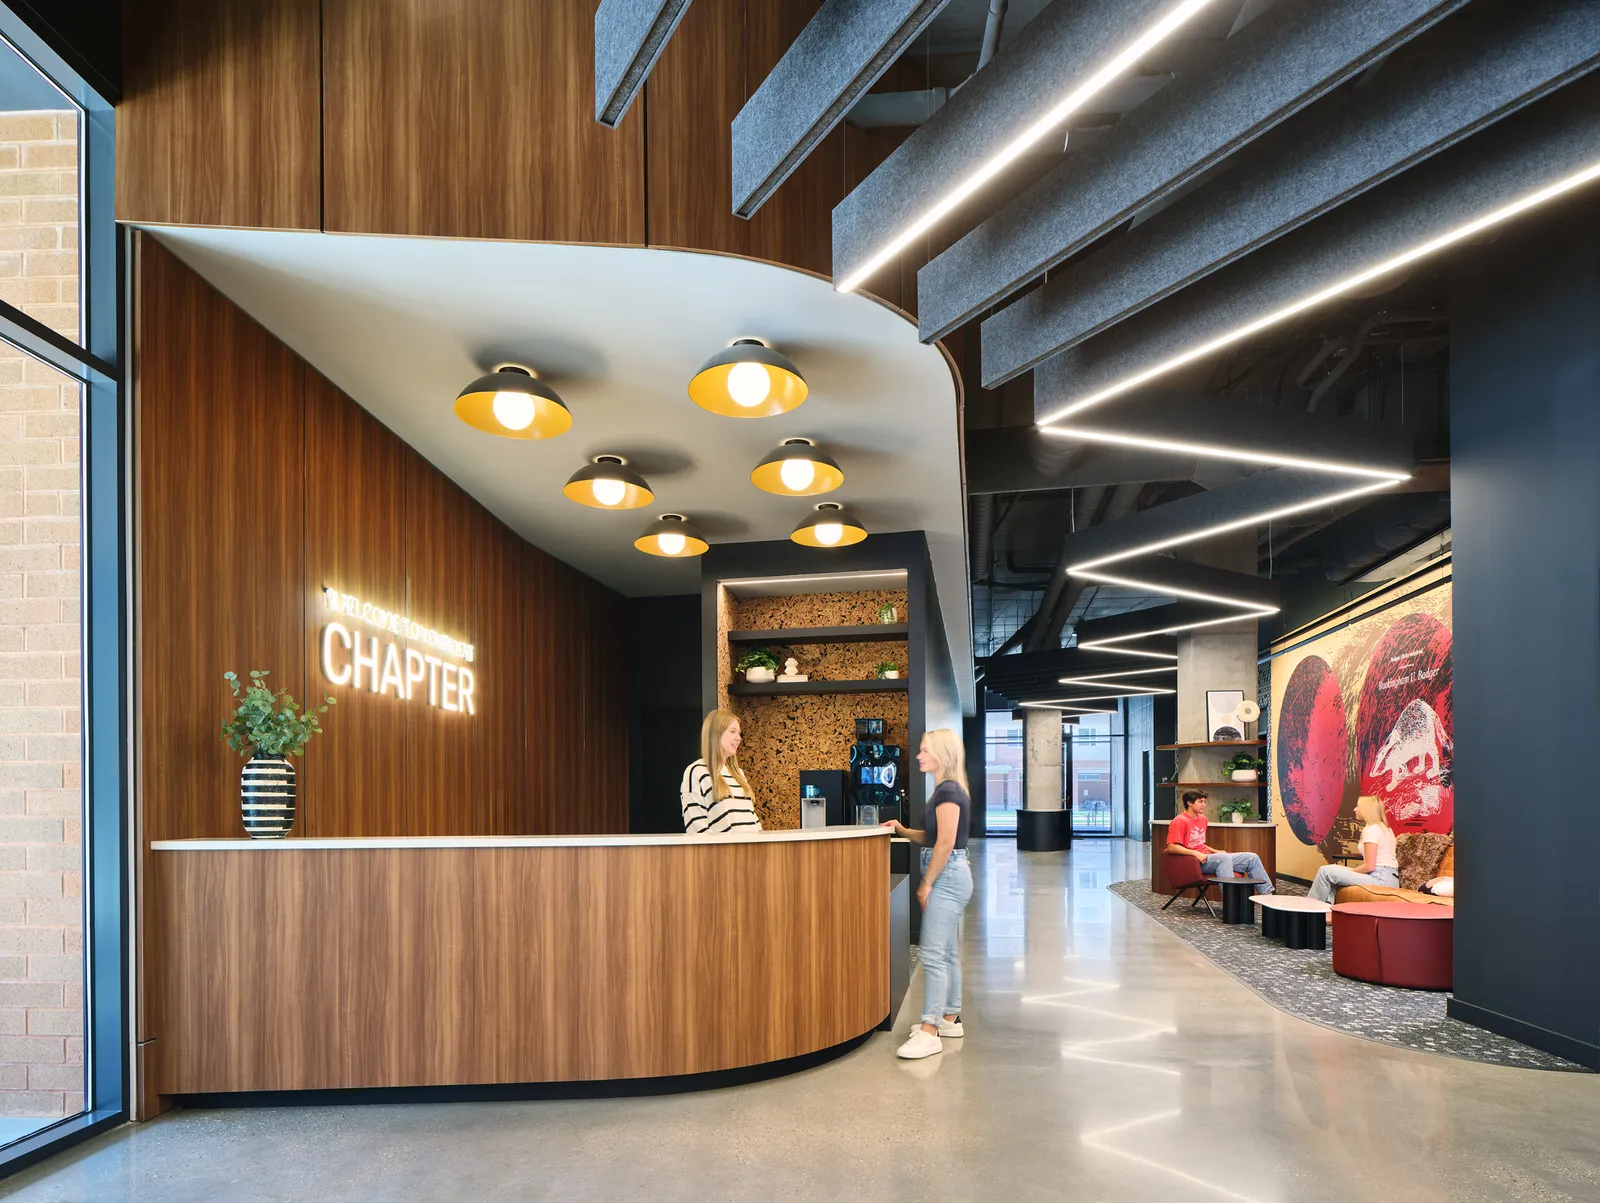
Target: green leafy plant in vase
887 671
1244 767
268 727
1238 810
759 665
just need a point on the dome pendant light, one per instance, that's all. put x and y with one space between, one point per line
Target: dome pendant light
609 484
748 380
830 525
797 469
513 403
672 536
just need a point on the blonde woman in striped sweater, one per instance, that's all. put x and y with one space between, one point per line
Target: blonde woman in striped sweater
715 792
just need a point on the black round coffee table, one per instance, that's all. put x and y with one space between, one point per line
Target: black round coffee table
1236 894
1298 922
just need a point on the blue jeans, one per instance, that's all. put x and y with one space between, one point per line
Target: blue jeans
1330 878
1244 864
941 935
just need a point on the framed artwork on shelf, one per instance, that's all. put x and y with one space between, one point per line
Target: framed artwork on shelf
1221 721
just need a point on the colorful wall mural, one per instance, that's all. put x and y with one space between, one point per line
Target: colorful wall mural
1363 707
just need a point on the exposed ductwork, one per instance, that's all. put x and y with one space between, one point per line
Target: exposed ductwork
980 534
993 24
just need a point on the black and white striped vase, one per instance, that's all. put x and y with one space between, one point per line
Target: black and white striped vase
266 796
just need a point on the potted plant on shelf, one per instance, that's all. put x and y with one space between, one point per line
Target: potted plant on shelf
758 665
1244 767
268 727
1237 810
887 671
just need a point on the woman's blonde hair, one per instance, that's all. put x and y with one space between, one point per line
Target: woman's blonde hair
950 754
711 732
1370 810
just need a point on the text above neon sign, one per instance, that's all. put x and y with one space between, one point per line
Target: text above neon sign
402 670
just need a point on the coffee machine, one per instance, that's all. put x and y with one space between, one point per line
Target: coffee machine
875 789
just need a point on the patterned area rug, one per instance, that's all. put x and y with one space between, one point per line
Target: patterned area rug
1303 983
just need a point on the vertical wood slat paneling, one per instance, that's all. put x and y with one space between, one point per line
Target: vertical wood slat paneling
221 522
259 482
474 121
442 557
413 967
354 532
220 122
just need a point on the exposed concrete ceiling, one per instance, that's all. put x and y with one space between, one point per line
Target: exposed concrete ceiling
401 324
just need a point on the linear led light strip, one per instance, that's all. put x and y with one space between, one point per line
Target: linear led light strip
1066 706
1128 57
1349 284
1216 451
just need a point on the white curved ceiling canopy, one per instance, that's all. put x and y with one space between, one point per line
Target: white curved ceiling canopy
401 324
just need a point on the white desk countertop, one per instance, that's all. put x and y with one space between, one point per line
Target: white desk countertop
245 844
1213 825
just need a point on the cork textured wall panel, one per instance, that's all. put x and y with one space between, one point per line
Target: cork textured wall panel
783 735
815 609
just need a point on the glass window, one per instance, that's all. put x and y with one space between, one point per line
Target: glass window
42 1004
1002 741
1093 772
40 148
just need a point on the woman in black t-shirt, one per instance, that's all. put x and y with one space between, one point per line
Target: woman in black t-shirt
945 891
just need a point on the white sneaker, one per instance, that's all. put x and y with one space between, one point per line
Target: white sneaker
951 1031
922 1044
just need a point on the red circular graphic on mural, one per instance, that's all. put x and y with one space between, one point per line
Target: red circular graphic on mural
1404 745
1313 744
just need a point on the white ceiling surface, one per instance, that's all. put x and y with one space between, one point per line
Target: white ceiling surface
401 324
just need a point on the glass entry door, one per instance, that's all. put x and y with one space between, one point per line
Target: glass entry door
1094 774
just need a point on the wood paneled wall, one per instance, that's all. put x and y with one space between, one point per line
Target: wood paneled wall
259 483
467 121
220 119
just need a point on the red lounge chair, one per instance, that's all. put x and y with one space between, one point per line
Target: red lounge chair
1186 873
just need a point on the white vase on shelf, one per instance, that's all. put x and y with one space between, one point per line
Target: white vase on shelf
1237 816
759 676
1244 775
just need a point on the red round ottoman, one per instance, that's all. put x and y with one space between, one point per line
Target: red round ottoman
1394 943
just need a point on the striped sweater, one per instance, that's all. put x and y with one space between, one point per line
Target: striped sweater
702 814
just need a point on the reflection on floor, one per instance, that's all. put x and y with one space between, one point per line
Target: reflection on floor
1106 1060
1302 981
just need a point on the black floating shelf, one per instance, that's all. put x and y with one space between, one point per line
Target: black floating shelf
783 689
873 633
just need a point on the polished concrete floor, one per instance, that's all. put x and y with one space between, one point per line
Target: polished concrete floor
1106 1061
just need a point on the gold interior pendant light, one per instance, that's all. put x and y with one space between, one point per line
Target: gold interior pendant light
609 484
830 525
672 535
514 403
747 380
797 469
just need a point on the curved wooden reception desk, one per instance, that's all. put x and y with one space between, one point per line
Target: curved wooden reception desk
321 964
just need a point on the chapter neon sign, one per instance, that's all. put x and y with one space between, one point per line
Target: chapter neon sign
351 657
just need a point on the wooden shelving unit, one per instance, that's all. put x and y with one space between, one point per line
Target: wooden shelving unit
1228 743
886 632
1211 784
783 689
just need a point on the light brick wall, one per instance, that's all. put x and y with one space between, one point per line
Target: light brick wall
41 797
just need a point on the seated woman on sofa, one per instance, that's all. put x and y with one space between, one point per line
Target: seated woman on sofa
1379 865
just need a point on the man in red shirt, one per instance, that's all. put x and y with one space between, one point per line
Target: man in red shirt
1187 837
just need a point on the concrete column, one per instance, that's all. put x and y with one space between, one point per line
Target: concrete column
1041 759
1222 657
